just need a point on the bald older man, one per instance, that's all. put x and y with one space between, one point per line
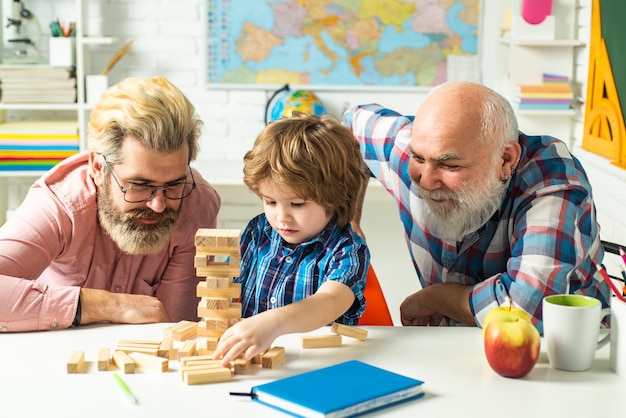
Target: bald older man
491 216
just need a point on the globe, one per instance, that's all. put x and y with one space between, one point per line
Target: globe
289 101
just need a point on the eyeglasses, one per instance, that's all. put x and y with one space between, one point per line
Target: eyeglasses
144 193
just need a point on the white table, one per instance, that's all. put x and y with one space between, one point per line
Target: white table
451 362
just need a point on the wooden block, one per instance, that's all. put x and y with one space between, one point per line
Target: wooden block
146 361
123 362
76 362
187 349
218 282
321 341
200 359
209 333
218 238
165 348
234 311
231 292
127 350
218 251
219 324
201 259
241 366
211 375
273 357
349 331
104 359
181 331
140 343
219 269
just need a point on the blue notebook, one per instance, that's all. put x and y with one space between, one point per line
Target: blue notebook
342 390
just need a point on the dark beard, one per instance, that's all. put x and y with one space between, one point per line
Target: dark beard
131 235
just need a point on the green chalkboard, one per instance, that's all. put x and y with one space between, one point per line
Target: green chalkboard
613 21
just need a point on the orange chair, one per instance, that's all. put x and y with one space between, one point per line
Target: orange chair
376 309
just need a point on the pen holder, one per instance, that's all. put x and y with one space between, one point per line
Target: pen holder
62 51
95 85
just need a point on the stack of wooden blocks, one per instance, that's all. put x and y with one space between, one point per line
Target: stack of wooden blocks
219 307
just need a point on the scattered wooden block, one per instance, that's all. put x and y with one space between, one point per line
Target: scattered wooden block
140 343
104 359
166 347
273 357
241 366
321 341
349 331
76 362
187 349
181 331
123 362
212 375
211 343
195 360
147 361
152 351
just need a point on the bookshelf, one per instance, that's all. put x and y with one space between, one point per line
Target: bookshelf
524 57
79 110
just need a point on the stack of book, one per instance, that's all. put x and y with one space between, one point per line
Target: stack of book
36 145
37 84
555 93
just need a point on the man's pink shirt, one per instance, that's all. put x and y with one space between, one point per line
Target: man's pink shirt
53 245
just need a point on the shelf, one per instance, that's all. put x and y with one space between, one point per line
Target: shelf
542 42
40 106
21 173
96 40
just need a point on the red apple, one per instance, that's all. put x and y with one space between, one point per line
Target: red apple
511 342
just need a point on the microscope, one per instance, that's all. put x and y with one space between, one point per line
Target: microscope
20 48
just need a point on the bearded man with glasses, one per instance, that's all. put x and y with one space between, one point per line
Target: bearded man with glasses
108 234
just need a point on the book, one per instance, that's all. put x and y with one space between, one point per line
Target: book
542 88
50 96
565 102
36 71
341 390
37 83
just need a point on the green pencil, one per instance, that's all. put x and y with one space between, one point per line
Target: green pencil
125 389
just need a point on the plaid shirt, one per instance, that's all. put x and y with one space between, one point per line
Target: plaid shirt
544 238
274 275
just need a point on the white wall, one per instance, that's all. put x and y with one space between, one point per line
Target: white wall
169 41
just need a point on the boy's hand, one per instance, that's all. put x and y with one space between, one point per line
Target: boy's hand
250 336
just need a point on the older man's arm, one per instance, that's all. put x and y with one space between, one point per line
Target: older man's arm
430 305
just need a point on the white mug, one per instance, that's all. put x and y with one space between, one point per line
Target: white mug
618 337
571 326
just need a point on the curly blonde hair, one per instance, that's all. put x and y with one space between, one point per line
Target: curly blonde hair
314 156
151 110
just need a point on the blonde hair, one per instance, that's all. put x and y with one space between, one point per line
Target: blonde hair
314 156
151 110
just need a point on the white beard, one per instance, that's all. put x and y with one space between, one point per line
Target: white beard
463 212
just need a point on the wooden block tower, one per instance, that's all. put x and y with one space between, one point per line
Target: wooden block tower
219 305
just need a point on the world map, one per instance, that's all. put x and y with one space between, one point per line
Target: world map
338 42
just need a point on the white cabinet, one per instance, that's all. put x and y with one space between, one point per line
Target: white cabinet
523 60
80 109
527 61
